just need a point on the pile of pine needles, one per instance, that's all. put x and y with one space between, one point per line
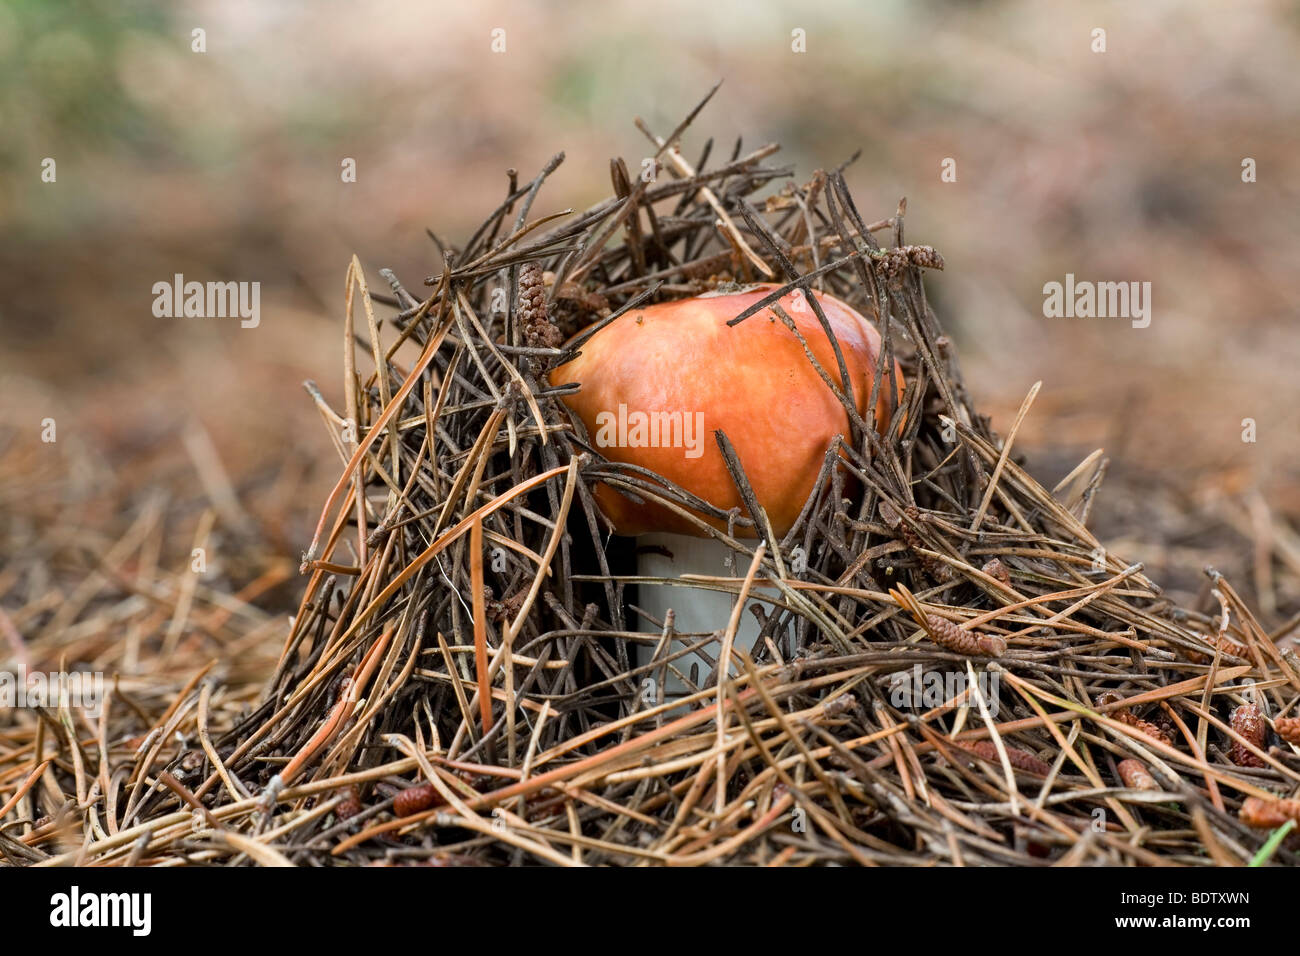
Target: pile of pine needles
950 668
120 563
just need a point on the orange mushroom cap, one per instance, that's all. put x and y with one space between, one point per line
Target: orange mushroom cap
656 383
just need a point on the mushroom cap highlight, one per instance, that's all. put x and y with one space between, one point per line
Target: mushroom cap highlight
657 382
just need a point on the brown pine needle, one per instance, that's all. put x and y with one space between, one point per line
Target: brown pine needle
480 623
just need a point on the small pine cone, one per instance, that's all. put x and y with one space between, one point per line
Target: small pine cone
552 337
1248 720
1268 814
1224 644
507 607
907 531
951 637
998 571
1145 726
1137 723
1135 776
892 264
351 804
543 335
1229 646
1288 728
511 605
532 294
924 257
1019 759
540 332
415 799
908 528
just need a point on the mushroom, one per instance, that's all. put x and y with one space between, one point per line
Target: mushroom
657 383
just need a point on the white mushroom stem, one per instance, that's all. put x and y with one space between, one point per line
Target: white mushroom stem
695 609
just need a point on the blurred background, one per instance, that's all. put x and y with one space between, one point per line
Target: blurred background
225 164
